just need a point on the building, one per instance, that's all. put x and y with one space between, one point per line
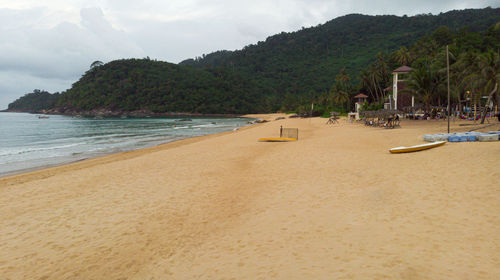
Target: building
361 98
400 99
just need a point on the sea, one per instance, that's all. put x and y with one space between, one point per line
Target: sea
30 141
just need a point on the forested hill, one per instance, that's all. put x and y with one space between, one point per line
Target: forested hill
285 72
308 59
36 101
155 86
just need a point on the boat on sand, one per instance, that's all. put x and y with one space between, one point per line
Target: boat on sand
416 147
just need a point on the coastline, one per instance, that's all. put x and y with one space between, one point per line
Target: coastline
335 204
110 113
36 164
52 169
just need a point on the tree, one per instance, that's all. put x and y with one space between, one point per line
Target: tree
462 68
341 90
367 86
36 101
424 82
95 64
402 56
443 36
342 77
340 95
487 79
375 78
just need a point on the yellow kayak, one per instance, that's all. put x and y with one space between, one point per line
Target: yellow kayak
276 139
416 147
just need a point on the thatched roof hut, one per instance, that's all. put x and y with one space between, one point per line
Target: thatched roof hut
381 114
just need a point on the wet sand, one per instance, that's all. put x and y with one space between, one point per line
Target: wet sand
333 205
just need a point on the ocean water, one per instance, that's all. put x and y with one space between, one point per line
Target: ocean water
28 142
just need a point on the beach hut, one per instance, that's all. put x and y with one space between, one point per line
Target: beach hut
360 99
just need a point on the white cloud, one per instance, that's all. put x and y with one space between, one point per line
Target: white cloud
52 58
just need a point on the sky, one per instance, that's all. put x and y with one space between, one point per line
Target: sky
49 44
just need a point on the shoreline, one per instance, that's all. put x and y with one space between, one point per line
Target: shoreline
70 159
161 146
50 170
116 114
334 204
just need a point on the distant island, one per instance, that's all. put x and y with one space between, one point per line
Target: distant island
326 65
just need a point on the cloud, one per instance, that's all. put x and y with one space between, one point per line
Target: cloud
52 58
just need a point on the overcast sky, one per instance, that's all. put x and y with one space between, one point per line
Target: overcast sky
50 44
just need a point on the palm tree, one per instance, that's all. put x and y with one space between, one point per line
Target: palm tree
376 78
340 92
402 56
463 67
340 95
440 65
342 77
425 47
486 80
424 82
489 63
366 83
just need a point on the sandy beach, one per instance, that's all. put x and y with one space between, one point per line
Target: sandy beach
333 205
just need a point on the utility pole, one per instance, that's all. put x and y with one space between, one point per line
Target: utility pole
448 76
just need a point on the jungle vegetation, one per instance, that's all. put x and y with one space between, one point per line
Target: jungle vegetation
326 65
35 101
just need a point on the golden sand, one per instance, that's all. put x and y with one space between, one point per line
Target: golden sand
333 205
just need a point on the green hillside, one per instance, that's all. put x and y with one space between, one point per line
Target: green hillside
143 84
327 64
308 60
33 102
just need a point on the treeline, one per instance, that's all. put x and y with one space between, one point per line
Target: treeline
327 64
296 68
474 70
144 84
36 101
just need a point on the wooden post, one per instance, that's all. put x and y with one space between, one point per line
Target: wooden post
448 75
475 107
475 111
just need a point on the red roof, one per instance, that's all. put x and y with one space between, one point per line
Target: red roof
361 96
403 69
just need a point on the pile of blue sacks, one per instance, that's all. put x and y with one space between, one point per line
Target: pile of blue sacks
464 137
